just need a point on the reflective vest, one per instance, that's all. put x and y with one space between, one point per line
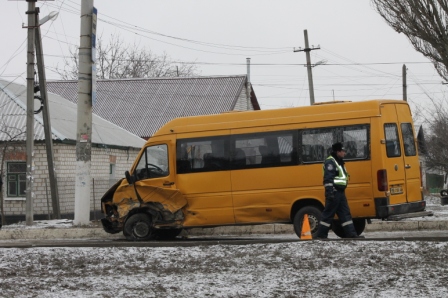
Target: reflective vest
342 178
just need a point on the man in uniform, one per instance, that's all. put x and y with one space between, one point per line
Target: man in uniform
335 183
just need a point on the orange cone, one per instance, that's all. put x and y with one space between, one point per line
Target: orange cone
306 231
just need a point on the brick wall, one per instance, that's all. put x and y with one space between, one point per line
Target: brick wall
65 167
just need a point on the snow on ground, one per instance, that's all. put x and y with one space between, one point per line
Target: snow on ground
345 268
300 269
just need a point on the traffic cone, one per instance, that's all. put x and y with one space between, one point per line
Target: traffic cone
306 231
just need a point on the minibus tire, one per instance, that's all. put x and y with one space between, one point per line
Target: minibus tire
139 227
314 215
167 234
359 223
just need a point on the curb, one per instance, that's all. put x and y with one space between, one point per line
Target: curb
391 226
273 229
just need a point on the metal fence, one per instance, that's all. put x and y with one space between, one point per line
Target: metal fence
66 191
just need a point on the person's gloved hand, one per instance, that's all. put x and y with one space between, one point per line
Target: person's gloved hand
329 192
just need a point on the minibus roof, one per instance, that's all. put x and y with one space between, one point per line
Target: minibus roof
307 114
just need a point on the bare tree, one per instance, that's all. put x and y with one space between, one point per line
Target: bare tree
116 60
424 22
9 135
436 139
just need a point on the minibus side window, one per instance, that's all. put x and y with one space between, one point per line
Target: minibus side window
408 139
316 143
153 163
261 150
392 141
202 154
356 141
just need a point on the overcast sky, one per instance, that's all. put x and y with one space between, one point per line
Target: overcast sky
363 56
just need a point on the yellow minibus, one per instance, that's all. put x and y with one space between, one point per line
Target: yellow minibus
260 167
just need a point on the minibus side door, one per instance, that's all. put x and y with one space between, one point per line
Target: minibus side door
203 177
410 156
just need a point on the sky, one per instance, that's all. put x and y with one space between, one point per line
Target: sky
360 56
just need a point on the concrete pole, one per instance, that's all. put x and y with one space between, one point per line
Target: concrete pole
248 87
30 113
84 119
307 50
308 65
47 122
405 91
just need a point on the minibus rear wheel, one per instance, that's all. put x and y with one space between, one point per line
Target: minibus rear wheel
314 215
139 227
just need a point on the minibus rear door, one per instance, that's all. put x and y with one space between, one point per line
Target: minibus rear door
394 163
410 156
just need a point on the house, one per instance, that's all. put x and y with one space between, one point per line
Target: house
113 151
142 106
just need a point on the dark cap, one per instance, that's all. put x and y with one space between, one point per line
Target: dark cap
337 147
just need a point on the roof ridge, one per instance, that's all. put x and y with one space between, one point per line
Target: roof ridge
155 78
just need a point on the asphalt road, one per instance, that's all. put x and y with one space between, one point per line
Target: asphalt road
426 235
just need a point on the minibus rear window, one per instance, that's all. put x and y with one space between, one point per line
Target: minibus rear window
392 141
408 139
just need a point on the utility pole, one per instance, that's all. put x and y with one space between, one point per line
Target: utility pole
86 93
248 88
30 113
307 50
46 114
405 92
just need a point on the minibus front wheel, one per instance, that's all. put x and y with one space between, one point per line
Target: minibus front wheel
139 227
314 214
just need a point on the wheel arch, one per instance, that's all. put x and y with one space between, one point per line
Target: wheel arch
303 203
145 210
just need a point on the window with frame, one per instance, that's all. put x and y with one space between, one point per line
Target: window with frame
271 149
408 139
392 140
16 179
316 143
153 163
203 154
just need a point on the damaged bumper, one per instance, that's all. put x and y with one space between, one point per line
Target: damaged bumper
163 204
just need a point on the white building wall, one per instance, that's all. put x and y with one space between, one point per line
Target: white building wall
241 103
64 160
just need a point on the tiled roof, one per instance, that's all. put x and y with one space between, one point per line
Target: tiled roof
62 117
142 106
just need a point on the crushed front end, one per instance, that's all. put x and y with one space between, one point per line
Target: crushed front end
122 200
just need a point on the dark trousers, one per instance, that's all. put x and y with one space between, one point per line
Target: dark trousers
338 205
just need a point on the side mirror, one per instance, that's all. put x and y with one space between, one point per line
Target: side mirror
129 178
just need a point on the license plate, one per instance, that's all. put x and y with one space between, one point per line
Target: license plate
396 190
